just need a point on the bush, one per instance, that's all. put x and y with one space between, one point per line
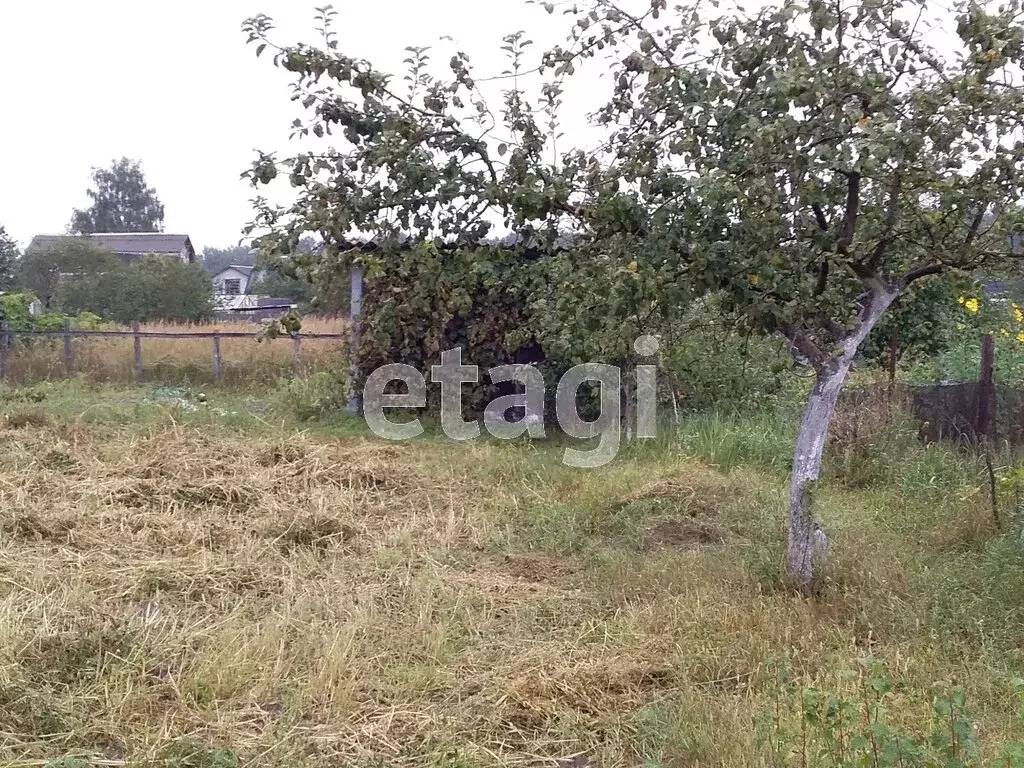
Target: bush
149 289
712 364
313 397
14 309
41 269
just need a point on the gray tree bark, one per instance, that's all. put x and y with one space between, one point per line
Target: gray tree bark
807 550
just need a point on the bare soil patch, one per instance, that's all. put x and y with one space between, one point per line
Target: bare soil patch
693 534
540 568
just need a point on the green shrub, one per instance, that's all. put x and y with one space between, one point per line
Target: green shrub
710 363
313 397
87 321
49 321
14 309
149 289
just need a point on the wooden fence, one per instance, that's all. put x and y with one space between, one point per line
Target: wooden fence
351 335
7 335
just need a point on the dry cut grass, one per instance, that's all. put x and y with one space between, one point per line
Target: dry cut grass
182 360
293 600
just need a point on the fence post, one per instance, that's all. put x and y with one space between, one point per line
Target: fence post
5 348
355 400
216 356
297 348
986 387
137 362
69 354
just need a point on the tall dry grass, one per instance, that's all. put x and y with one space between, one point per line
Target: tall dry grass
181 361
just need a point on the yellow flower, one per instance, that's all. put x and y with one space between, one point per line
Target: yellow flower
1017 313
1004 333
1020 337
961 300
972 305
755 280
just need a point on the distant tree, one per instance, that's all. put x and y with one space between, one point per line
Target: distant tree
9 255
277 285
41 270
171 290
216 259
121 202
285 277
149 289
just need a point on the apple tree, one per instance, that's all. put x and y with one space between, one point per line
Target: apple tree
806 162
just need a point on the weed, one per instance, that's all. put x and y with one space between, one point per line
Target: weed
188 753
321 394
837 730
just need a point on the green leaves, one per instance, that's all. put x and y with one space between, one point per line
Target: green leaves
9 255
796 171
149 289
122 202
841 730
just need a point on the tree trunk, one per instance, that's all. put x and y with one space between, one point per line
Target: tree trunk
807 551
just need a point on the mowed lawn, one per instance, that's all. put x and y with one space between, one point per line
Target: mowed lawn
202 590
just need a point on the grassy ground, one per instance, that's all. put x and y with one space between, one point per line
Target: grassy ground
224 586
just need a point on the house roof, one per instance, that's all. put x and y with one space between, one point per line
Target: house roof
127 243
250 303
245 269
267 302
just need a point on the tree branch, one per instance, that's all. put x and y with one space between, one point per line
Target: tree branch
891 217
803 344
852 209
819 216
972 233
916 273
822 281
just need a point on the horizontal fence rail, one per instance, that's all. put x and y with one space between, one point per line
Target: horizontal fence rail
7 335
166 334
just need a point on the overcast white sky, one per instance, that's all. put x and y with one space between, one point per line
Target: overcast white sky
175 86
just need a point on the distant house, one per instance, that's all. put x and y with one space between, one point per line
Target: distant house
129 246
253 307
235 280
233 297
